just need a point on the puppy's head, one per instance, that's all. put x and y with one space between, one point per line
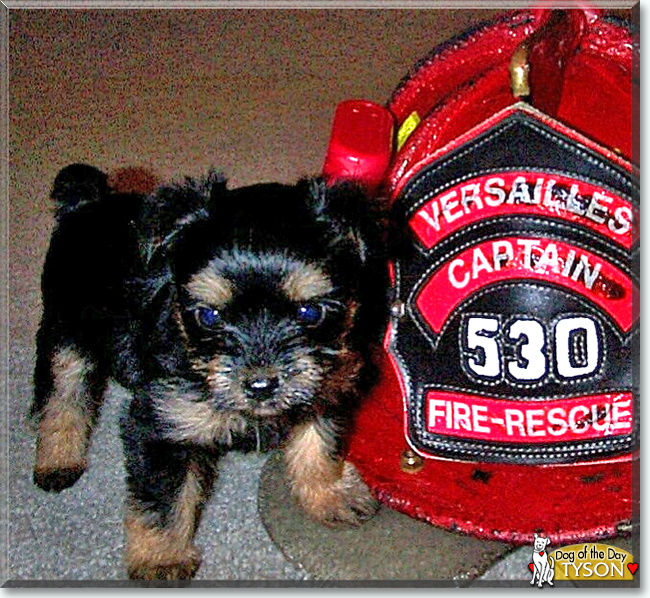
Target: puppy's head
279 295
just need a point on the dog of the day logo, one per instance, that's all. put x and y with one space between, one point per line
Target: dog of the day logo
583 562
542 565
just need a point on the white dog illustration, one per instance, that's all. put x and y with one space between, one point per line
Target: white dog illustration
543 565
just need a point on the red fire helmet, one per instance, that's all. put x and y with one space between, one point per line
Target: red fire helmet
508 402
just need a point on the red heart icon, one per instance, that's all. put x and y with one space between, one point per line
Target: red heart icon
541 553
531 566
633 567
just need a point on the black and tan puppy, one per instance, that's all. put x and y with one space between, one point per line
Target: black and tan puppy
238 319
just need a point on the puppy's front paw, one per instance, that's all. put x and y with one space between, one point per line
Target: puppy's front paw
344 502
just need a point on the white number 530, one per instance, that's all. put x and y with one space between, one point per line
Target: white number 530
520 348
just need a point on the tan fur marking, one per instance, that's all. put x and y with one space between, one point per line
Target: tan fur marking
190 499
329 490
209 287
308 460
307 377
64 428
148 548
306 282
350 316
196 421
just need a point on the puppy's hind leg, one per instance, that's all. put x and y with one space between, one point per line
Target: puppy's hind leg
68 391
167 491
329 489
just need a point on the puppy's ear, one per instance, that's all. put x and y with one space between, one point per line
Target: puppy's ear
77 185
355 223
172 208
350 215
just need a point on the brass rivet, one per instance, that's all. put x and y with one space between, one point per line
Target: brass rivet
411 462
519 71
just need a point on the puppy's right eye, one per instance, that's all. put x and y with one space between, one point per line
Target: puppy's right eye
207 317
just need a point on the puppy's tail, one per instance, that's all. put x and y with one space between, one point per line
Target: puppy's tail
78 185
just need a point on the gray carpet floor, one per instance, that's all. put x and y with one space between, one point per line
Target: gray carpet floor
77 534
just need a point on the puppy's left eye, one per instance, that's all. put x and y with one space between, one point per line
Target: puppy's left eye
310 314
207 317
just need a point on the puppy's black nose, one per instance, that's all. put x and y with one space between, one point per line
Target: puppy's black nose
261 387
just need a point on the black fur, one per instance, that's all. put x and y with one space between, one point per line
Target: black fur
115 296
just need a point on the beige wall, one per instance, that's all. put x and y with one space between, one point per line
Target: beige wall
251 92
